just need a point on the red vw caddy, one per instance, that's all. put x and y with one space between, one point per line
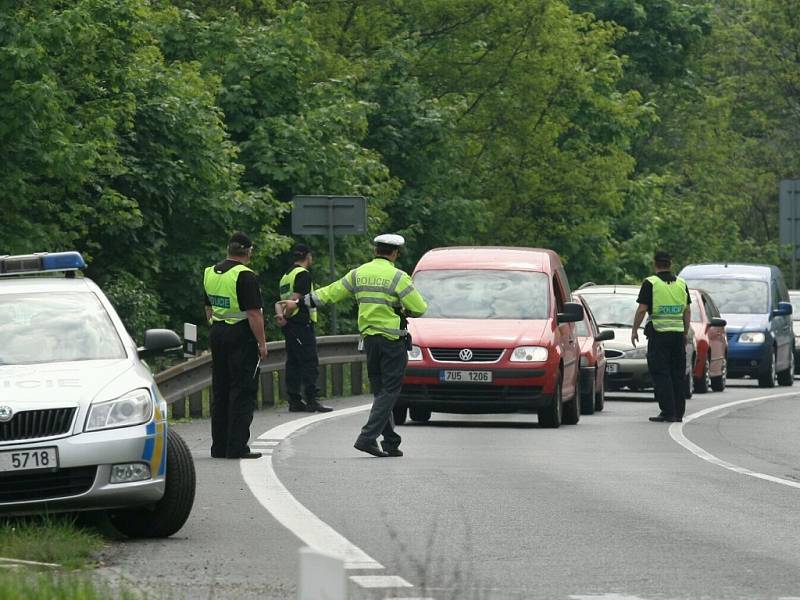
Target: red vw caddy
498 337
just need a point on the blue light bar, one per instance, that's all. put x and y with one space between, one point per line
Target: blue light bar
43 262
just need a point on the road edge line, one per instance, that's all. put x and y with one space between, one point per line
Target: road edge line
676 433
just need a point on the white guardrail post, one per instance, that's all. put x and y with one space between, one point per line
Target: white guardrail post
322 576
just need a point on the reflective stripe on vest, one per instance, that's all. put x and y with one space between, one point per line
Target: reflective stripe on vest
221 291
287 289
669 304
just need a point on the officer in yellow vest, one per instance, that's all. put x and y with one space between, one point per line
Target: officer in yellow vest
385 297
234 310
302 362
666 299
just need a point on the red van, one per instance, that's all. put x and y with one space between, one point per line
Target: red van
498 337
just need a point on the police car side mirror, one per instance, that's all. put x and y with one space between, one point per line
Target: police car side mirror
604 336
573 311
157 341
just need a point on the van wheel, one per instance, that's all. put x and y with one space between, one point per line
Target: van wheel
769 379
718 383
588 393
600 396
703 383
550 417
689 385
169 514
572 410
420 415
786 377
400 414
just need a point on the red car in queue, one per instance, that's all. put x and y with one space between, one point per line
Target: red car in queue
592 361
498 336
711 363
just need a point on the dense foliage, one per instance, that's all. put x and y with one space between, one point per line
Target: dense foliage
143 133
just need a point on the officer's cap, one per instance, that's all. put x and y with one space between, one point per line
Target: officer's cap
662 256
301 251
390 239
240 241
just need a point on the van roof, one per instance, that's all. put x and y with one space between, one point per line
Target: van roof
730 271
490 257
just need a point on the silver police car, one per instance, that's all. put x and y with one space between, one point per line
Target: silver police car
82 423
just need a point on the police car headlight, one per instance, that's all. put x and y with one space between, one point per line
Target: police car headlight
134 408
529 354
752 337
415 353
638 352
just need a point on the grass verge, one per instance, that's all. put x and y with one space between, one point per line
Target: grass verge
49 540
22 585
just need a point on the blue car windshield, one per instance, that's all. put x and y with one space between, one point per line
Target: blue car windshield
44 328
484 294
736 296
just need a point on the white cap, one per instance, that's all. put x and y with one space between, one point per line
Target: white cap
390 239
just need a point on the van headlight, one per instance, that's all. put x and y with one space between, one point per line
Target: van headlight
752 337
529 354
415 353
134 408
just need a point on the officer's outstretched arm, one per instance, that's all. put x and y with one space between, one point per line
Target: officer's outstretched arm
333 293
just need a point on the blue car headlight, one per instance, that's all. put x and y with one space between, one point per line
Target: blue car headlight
752 337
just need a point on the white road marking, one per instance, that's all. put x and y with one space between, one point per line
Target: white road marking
260 477
676 432
261 444
604 597
19 561
380 581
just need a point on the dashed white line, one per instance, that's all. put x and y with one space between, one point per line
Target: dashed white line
676 432
380 581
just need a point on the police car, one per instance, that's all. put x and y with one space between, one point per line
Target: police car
82 423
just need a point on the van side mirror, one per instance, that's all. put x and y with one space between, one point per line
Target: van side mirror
573 311
158 341
604 336
784 309
717 322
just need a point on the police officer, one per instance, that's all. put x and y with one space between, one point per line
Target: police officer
666 299
233 308
385 296
302 362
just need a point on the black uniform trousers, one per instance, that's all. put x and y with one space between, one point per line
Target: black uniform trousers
302 361
386 365
234 356
666 361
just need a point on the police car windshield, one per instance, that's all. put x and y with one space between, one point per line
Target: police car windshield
612 310
736 296
44 328
484 294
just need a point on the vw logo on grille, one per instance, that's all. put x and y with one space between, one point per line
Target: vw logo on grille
465 355
5 414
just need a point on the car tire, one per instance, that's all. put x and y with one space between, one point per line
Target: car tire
786 377
689 385
703 383
571 413
718 383
588 393
400 414
600 396
770 379
169 514
550 417
420 415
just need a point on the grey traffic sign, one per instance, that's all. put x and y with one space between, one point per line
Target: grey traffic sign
322 215
789 222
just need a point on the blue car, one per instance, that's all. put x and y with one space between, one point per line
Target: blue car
754 300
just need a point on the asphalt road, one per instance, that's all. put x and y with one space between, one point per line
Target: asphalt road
494 507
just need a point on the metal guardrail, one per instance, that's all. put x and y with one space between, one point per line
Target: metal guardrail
185 384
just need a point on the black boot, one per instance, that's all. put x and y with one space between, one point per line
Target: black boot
314 406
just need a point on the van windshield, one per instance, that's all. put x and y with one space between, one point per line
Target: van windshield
43 328
736 296
484 294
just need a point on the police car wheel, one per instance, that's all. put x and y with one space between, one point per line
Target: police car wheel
572 409
400 414
550 417
786 377
420 415
170 513
588 394
600 396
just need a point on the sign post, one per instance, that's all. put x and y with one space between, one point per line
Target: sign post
331 216
790 220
